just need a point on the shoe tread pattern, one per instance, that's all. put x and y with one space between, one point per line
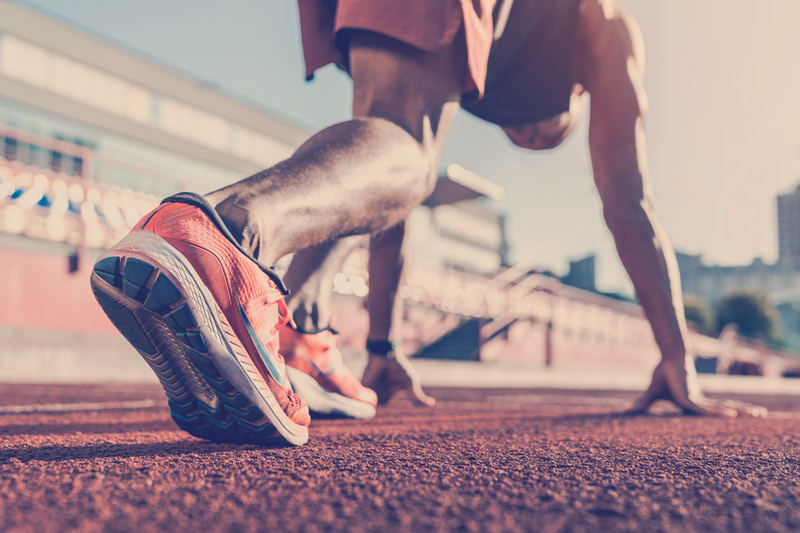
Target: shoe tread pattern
147 307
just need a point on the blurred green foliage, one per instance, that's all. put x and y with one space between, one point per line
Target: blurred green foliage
753 314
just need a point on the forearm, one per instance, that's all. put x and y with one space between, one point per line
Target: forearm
647 255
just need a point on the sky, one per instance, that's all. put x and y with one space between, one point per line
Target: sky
723 130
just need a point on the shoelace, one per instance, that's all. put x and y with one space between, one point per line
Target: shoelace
284 317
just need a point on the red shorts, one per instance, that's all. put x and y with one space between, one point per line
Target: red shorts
428 25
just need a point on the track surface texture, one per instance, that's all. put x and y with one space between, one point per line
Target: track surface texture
488 460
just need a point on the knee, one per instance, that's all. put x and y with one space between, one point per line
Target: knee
413 163
427 170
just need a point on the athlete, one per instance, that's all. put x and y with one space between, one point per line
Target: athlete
191 288
546 56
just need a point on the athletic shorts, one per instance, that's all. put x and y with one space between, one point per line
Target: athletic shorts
428 25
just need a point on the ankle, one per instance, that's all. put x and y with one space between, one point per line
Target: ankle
244 227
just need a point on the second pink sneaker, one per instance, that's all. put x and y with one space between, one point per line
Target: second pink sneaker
316 368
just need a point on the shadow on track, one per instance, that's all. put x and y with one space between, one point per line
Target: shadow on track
89 452
97 428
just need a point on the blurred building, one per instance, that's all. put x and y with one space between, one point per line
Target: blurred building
79 106
459 230
93 135
780 281
712 282
789 228
581 274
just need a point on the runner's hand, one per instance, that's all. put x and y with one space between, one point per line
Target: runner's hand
677 382
389 375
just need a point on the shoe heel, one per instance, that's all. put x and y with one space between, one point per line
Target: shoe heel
153 297
151 313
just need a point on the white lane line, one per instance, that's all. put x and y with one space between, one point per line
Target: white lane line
460 374
517 402
558 399
783 415
82 406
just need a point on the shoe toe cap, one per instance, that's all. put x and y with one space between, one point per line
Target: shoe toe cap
297 410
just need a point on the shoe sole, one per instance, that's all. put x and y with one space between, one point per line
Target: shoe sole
154 297
324 402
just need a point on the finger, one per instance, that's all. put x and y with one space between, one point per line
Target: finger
746 409
639 406
707 408
420 396
647 398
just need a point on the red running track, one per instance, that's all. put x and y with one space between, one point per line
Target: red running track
493 460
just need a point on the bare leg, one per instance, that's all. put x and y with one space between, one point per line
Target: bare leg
362 175
310 282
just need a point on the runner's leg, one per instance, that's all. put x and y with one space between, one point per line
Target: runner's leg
362 175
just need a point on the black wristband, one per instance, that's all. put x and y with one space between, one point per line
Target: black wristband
382 348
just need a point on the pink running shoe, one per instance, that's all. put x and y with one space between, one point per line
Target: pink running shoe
205 315
318 374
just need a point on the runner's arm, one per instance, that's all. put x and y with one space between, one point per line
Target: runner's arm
619 161
392 372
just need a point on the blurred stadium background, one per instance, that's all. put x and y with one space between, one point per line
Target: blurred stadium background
93 135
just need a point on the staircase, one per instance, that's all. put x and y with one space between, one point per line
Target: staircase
488 307
462 343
